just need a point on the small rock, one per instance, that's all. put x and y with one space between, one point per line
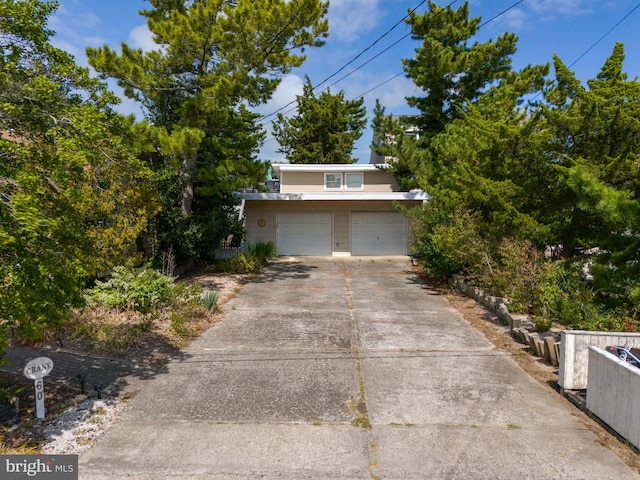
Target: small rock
80 398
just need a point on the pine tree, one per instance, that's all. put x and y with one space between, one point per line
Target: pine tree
73 196
214 60
453 74
324 130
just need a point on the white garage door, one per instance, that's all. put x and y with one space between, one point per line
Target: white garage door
304 234
378 233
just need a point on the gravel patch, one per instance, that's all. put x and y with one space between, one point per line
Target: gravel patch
76 428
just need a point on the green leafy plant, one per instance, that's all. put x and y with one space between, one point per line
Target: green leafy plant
242 263
142 290
179 325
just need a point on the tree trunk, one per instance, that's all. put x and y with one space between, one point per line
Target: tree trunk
187 173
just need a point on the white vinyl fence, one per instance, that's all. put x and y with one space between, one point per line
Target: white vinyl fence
613 393
573 371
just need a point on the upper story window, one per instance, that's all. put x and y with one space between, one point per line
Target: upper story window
343 181
333 181
353 181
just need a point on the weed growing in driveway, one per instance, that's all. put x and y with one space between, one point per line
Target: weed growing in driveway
361 422
361 419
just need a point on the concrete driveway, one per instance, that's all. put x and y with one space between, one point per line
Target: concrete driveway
315 349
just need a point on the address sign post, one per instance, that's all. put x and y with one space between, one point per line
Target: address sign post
37 369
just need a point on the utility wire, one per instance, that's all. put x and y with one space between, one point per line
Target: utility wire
603 36
479 27
500 14
376 56
595 43
369 47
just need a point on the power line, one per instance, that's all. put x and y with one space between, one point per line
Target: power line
369 47
595 43
603 36
500 14
377 55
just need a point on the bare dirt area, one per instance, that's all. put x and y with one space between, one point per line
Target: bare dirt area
544 373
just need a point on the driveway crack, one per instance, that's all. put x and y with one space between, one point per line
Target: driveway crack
359 405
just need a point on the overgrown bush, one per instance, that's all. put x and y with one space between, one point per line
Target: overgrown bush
516 271
449 244
242 263
142 290
554 291
564 296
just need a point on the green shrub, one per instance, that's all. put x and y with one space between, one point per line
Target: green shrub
542 324
242 263
142 290
262 250
449 243
516 270
181 293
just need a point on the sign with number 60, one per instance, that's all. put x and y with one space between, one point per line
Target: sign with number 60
37 369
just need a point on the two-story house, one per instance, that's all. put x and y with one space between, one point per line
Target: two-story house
326 210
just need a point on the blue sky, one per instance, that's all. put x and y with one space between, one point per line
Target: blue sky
544 27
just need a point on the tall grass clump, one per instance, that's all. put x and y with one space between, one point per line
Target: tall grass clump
211 301
262 250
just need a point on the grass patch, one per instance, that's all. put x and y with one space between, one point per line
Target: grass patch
361 422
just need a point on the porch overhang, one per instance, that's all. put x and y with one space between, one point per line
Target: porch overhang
391 196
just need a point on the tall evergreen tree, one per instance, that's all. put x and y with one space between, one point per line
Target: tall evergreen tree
73 196
324 130
215 58
453 74
595 151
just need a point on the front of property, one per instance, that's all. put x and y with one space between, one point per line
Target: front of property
331 210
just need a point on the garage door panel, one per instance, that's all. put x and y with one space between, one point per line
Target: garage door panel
304 234
378 233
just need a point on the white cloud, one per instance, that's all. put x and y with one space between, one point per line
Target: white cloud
142 38
284 98
75 31
514 19
67 46
393 94
548 9
290 86
350 19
